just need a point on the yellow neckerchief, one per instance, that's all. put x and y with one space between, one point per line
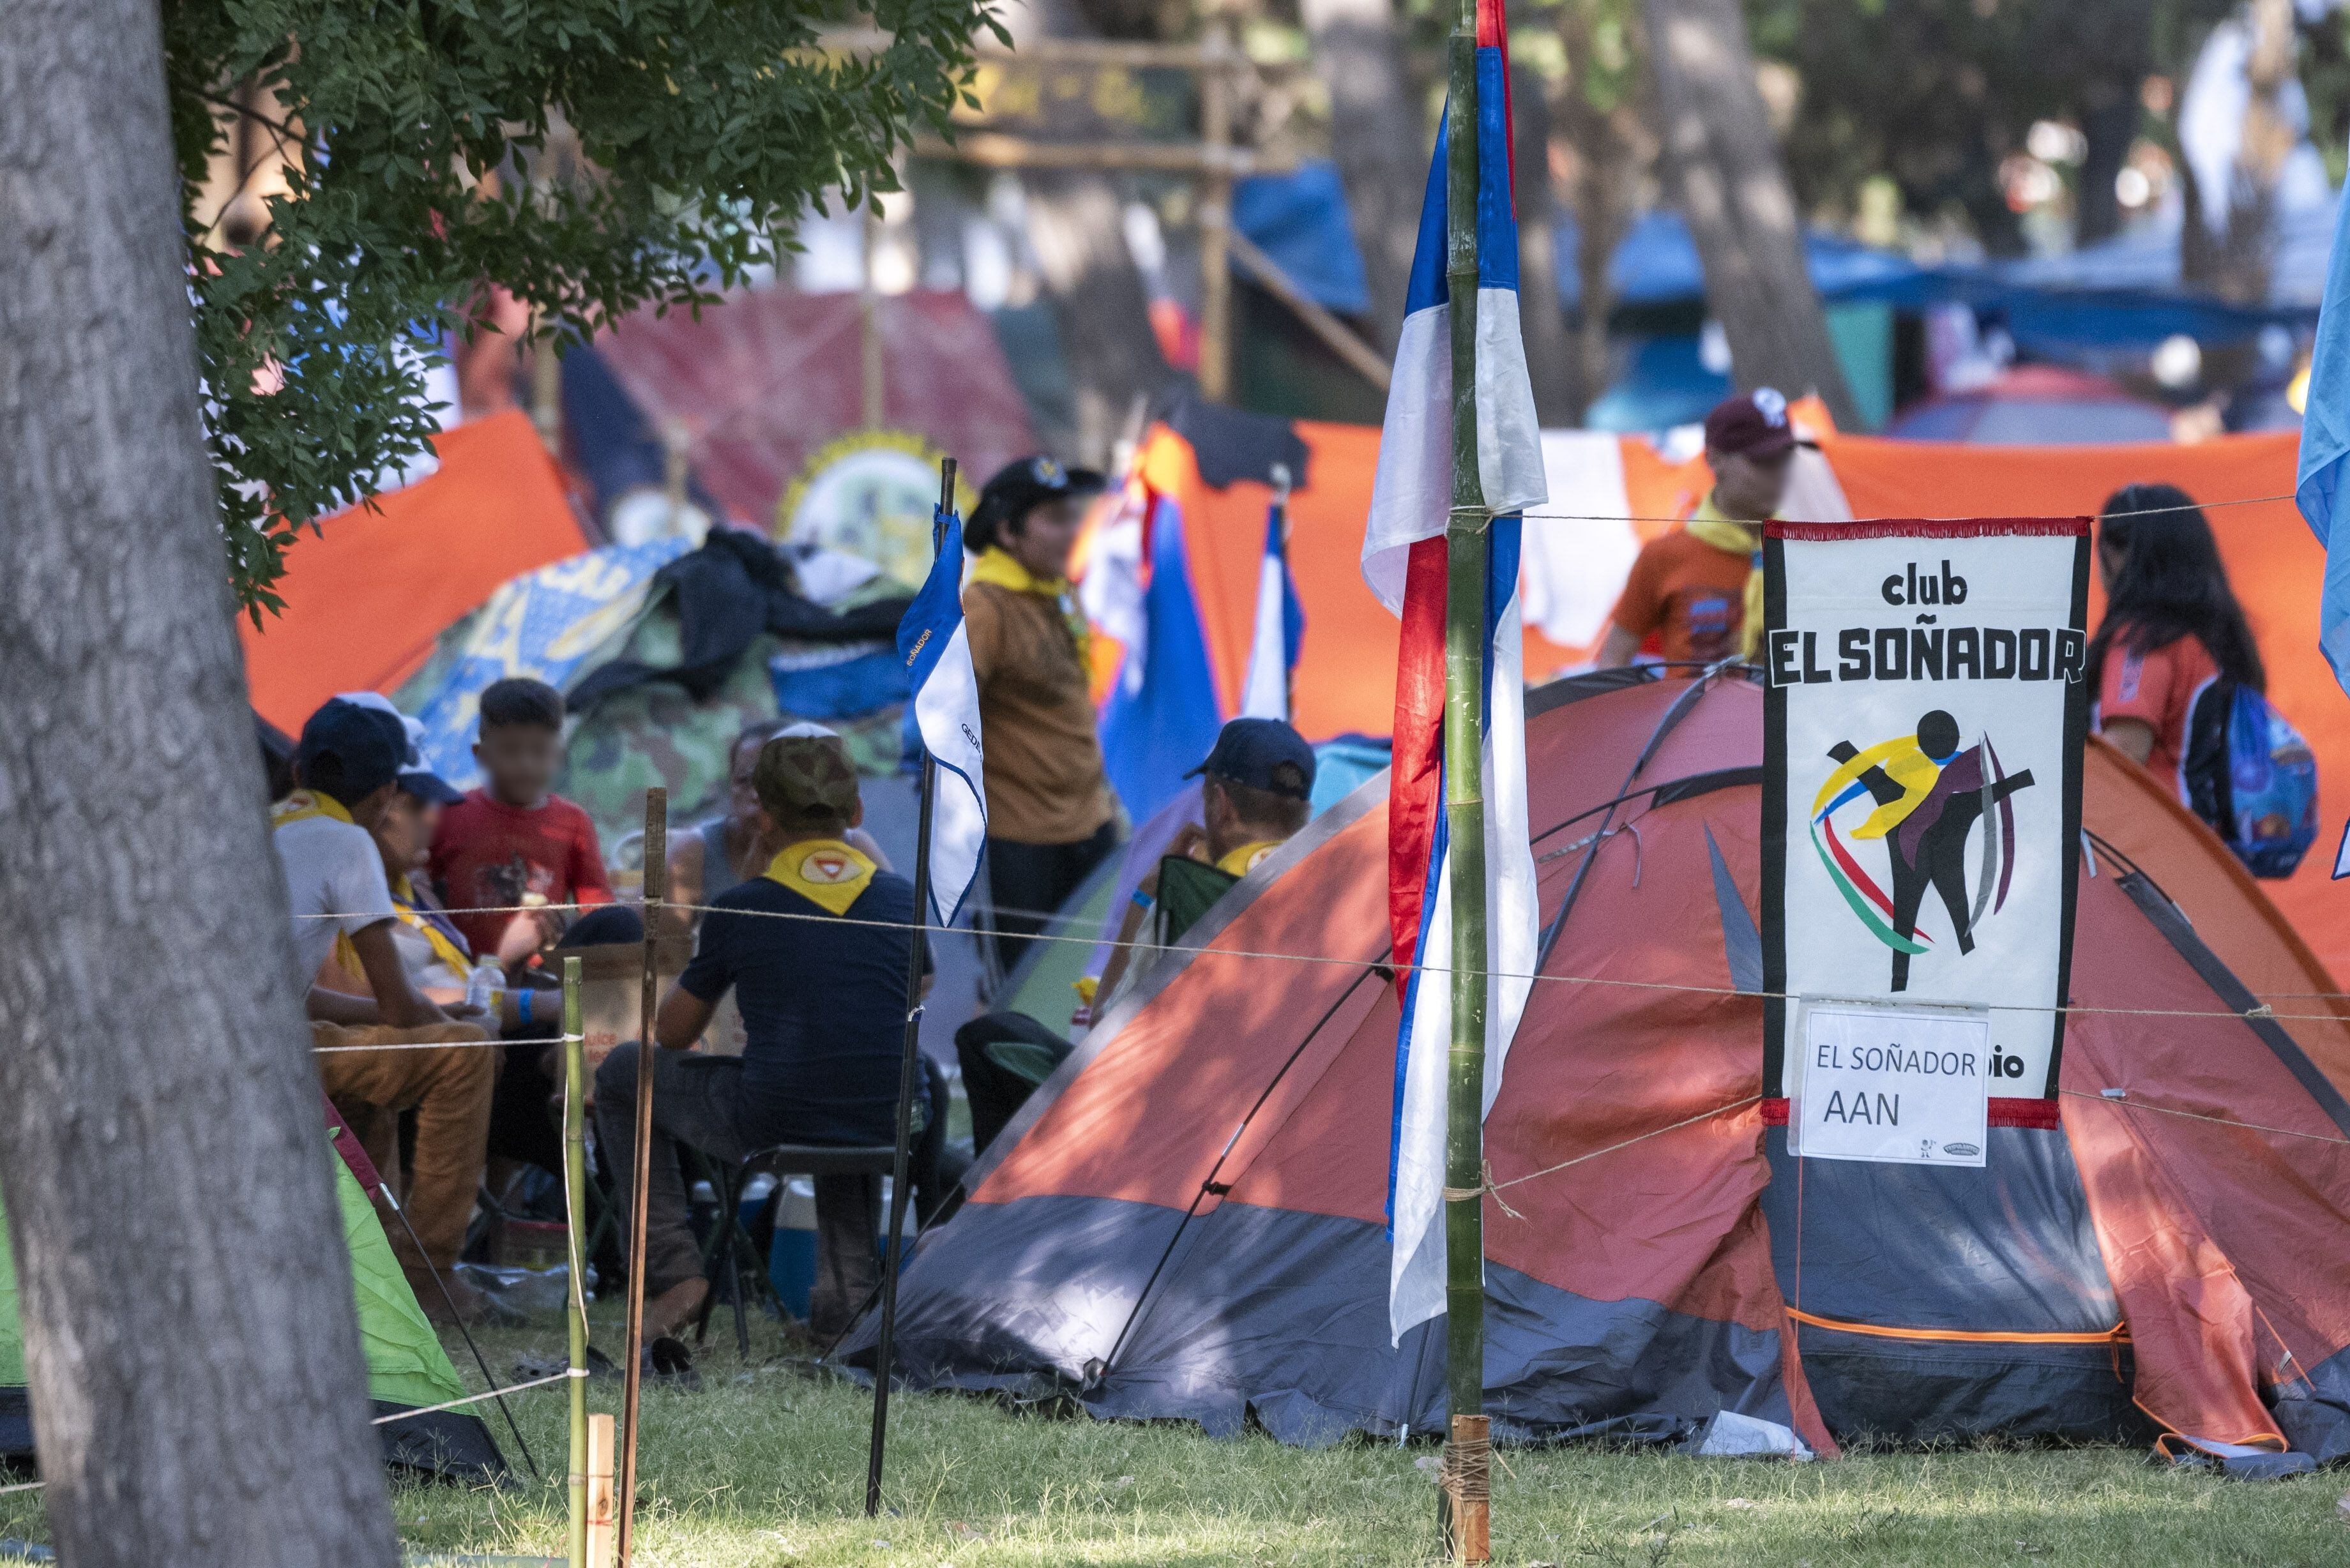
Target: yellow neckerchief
826 872
404 904
305 803
300 806
997 569
1904 763
1708 524
1243 860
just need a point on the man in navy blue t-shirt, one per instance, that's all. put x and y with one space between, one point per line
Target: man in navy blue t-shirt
816 952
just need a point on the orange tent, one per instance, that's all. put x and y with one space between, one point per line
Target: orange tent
2273 560
1345 678
367 595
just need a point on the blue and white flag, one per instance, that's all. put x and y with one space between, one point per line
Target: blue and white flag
2325 450
1280 626
1404 563
935 647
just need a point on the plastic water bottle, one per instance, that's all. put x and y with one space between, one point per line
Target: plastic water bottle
483 985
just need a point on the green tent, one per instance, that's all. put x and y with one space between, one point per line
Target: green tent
407 1368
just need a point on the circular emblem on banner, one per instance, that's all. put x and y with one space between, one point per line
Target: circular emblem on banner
869 494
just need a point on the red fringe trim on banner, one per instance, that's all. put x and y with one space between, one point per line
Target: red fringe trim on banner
1935 528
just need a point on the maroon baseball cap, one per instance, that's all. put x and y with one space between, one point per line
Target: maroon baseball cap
1752 424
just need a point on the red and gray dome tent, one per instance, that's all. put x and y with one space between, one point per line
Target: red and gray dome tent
1187 1220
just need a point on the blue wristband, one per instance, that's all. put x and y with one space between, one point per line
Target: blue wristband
1142 900
523 1004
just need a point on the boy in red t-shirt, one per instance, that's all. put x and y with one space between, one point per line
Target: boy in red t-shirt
515 842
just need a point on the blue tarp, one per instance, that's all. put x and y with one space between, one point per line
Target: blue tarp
1657 264
1666 384
1300 220
2120 294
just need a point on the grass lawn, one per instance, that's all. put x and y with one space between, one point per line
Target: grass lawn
764 1467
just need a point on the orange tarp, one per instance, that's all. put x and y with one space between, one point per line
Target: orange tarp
1346 680
365 598
2273 560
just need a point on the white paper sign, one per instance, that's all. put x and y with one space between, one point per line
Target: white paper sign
1923 713
1885 1083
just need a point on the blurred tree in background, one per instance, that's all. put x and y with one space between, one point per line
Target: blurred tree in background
590 156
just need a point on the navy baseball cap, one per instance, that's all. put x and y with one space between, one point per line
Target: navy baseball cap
1263 753
415 778
1019 487
351 751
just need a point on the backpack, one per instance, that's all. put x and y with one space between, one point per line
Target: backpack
2249 775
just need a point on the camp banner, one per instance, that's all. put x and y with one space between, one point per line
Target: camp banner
1925 708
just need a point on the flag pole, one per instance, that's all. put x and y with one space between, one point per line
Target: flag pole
1281 482
1465 1495
908 1065
656 874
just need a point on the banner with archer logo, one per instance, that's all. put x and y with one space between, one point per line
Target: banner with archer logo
1925 712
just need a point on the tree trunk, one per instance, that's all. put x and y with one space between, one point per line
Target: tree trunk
1722 157
1378 140
2109 113
193 1357
2236 263
1542 318
1076 225
1603 123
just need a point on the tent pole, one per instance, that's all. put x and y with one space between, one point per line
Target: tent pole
575 1206
656 858
909 1068
1464 1496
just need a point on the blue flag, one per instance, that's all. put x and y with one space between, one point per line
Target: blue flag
936 646
2325 446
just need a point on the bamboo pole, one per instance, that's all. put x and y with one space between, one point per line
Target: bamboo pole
1216 213
869 317
601 1514
1003 149
656 860
546 386
909 1068
574 1209
1464 1494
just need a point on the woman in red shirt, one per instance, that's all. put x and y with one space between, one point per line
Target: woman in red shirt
2173 632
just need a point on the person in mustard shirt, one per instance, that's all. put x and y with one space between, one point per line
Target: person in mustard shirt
1698 590
1049 805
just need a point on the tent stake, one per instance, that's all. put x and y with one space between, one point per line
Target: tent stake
656 856
575 1204
1464 1498
600 1511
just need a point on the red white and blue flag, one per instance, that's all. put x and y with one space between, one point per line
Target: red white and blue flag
1404 563
1280 634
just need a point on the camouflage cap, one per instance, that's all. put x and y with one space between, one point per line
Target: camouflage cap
806 783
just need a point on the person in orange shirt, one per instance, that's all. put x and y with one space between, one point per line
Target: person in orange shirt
2173 632
1698 590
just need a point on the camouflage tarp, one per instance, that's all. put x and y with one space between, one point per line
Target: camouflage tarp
653 732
